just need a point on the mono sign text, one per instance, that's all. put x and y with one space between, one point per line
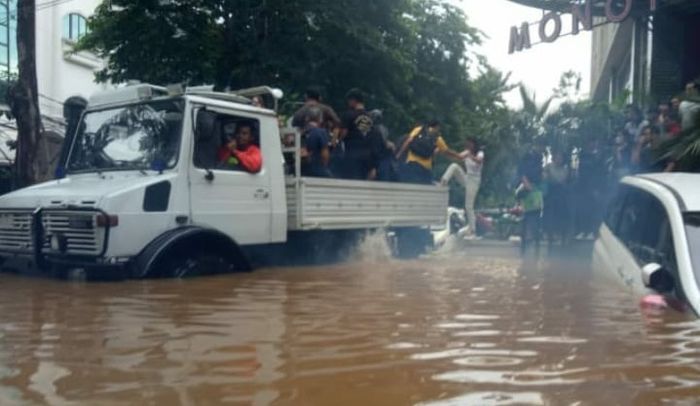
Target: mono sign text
550 27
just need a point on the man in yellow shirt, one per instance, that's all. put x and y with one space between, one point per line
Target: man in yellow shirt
422 144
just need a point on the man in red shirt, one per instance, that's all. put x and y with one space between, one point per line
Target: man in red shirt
240 152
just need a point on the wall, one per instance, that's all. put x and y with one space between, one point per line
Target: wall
603 38
667 75
612 69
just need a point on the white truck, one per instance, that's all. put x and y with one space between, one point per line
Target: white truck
142 194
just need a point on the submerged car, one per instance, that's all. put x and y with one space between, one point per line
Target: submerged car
650 239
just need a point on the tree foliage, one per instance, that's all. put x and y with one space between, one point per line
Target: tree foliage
411 57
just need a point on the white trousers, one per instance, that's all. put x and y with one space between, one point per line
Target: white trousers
471 184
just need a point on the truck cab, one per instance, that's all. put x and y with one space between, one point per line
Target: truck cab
142 189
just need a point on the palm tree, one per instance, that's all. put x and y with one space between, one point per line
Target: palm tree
530 121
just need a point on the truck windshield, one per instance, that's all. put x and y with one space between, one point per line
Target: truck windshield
135 137
692 226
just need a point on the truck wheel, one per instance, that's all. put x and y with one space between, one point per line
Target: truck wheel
189 252
192 263
413 242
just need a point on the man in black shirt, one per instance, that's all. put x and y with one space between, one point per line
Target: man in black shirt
356 128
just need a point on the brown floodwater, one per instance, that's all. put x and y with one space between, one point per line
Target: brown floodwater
450 330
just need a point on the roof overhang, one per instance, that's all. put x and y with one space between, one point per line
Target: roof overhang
598 9
639 7
562 6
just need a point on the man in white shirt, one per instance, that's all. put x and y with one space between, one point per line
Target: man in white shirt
471 180
690 106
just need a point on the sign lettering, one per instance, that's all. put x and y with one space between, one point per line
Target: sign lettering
552 16
617 18
519 38
582 16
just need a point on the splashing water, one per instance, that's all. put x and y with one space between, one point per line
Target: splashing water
373 247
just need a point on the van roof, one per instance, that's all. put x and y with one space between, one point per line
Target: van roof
683 185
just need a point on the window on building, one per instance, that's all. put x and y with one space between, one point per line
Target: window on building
74 27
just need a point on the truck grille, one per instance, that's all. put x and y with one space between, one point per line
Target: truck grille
78 232
15 231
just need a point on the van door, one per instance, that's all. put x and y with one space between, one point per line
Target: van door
225 196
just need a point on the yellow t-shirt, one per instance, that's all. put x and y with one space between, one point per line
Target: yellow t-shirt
426 163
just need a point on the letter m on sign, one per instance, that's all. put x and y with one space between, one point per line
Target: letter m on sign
519 38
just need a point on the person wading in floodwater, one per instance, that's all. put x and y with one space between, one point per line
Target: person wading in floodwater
530 198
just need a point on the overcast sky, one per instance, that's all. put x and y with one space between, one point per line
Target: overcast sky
540 67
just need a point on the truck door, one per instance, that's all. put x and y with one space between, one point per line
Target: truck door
224 195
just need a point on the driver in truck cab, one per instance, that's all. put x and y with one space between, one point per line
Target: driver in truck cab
239 150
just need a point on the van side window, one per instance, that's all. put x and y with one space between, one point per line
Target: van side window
233 144
645 230
613 215
631 215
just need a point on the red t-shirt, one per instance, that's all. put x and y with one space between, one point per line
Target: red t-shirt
249 159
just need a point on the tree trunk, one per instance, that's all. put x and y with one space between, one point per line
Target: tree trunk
24 97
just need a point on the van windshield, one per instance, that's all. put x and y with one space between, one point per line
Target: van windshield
135 137
692 226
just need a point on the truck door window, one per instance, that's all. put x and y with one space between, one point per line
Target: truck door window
230 145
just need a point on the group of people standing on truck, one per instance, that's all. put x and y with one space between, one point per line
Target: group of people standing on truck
356 146
352 146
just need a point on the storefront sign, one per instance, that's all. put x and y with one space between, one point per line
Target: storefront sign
550 27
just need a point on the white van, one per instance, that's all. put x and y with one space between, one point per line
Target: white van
142 192
650 240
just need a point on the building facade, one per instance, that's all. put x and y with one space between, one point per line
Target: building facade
62 74
644 51
647 58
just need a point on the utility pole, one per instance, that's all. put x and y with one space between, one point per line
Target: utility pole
24 97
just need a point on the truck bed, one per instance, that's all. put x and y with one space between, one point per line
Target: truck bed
336 204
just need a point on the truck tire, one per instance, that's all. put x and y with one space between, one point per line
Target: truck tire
190 263
413 242
189 252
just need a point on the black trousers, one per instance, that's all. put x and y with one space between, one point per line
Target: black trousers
413 172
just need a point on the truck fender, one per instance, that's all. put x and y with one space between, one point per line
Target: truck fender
183 237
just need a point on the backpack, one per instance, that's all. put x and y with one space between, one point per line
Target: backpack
424 144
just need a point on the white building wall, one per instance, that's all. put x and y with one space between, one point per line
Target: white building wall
60 73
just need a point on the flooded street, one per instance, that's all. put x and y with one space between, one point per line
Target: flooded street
450 330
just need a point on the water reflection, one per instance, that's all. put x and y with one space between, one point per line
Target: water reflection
445 331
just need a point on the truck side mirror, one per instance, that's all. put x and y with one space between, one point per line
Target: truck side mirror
657 278
205 124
